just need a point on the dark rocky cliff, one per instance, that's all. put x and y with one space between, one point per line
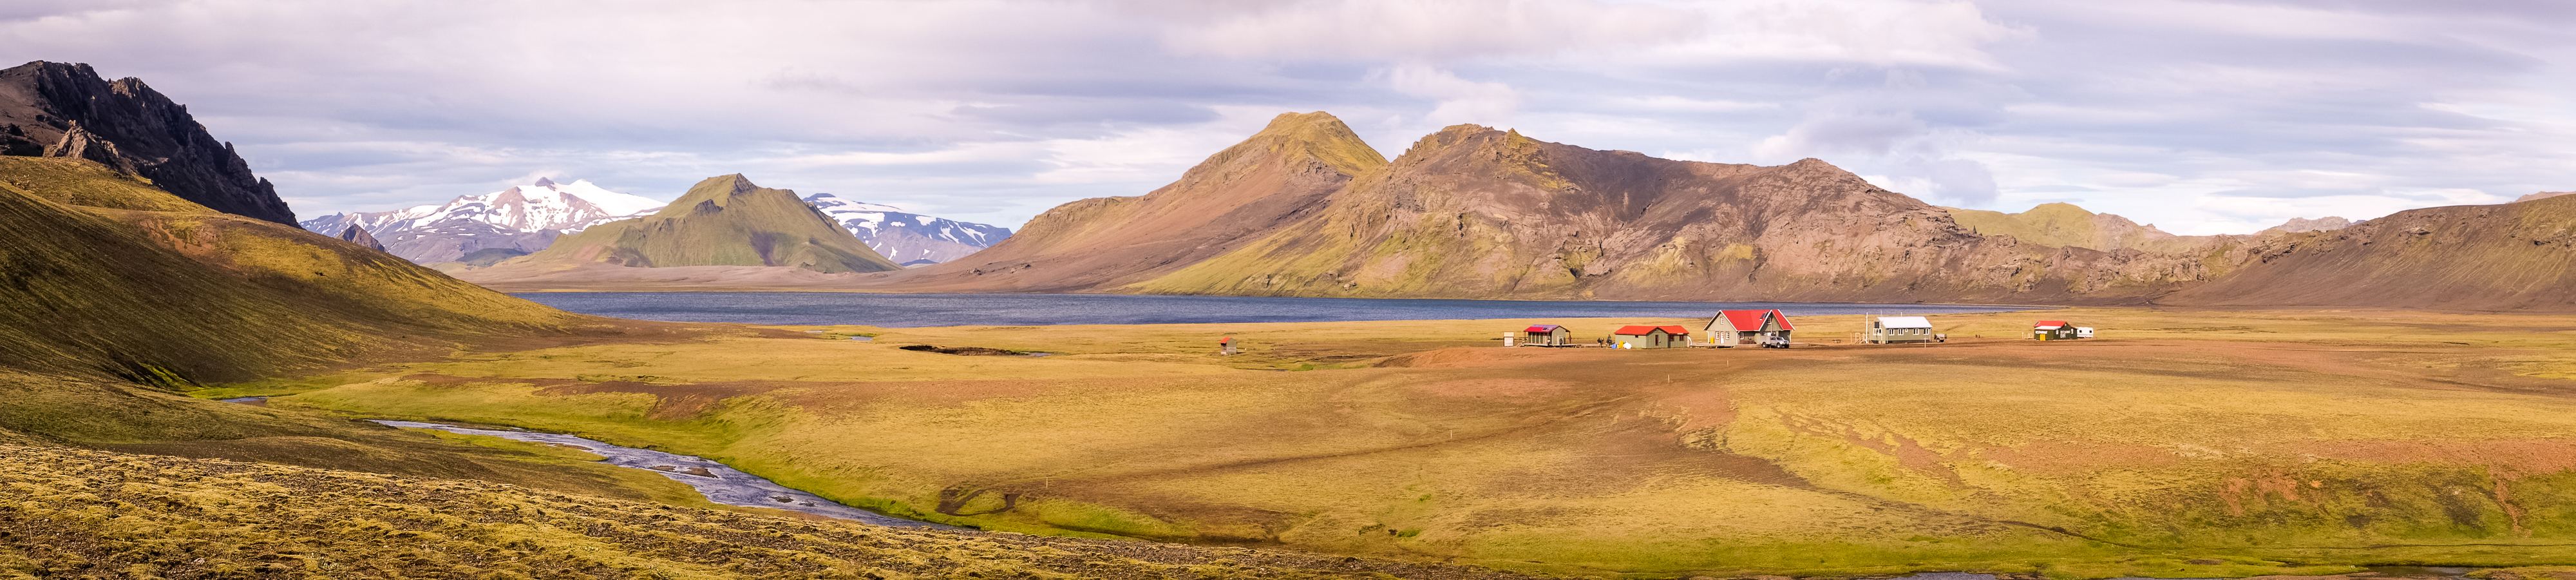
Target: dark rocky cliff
66 110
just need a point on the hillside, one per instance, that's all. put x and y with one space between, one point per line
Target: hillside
55 109
1269 181
2062 224
2509 257
218 519
723 221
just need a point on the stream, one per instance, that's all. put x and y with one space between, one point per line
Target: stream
721 484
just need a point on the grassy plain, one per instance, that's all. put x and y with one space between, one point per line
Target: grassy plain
2181 444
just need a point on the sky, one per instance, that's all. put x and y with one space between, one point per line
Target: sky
2202 117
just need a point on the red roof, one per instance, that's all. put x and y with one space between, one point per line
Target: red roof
1542 329
2049 324
1637 330
1751 320
1225 340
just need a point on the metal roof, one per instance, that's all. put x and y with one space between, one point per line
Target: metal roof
1748 320
1904 322
1641 330
1542 328
2049 325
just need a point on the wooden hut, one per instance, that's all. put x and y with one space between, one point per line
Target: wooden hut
1640 336
1897 329
1547 335
1757 327
2058 330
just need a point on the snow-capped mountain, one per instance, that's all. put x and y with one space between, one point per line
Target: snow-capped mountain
908 238
525 217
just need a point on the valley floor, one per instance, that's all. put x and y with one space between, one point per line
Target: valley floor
2180 444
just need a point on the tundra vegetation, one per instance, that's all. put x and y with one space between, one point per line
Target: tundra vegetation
2182 444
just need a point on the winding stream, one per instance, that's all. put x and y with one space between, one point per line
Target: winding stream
721 484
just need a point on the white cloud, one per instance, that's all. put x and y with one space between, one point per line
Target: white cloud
1426 30
1459 100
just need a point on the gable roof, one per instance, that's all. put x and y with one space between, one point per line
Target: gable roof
1904 322
2049 325
1542 328
1641 330
1747 320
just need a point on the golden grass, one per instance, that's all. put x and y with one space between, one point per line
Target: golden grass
2270 442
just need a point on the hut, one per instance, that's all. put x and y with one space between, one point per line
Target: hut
2058 330
1547 335
1639 336
1897 329
1225 345
1762 327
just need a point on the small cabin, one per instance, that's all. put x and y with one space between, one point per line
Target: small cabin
1225 345
1898 330
2059 330
1547 335
1639 336
1755 327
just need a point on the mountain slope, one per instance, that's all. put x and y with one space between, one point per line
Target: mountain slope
908 238
1471 212
2061 224
69 111
524 218
723 221
1267 181
2510 257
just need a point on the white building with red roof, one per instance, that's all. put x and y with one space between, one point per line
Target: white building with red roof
1760 327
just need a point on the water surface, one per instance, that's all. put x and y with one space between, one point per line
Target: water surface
915 310
720 483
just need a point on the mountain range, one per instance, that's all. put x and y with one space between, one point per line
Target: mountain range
1305 208
523 218
908 238
723 221
474 230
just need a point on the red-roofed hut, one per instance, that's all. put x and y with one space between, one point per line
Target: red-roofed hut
1640 336
1547 335
1762 327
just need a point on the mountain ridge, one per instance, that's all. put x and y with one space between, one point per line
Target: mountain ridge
51 109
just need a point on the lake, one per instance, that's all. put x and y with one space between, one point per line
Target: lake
916 310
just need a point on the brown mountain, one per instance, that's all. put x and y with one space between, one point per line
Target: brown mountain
54 109
2510 257
723 221
1472 212
1269 181
358 235
2063 224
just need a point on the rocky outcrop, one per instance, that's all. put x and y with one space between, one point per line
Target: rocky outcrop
358 235
67 110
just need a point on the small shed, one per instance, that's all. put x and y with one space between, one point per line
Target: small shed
1225 345
1761 327
1547 335
1897 329
1639 336
2058 330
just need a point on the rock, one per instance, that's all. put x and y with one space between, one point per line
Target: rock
358 235
71 112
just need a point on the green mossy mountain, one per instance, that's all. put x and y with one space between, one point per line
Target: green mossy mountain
2064 224
723 221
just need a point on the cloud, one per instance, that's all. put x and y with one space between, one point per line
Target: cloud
2207 113
1460 100
1427 30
